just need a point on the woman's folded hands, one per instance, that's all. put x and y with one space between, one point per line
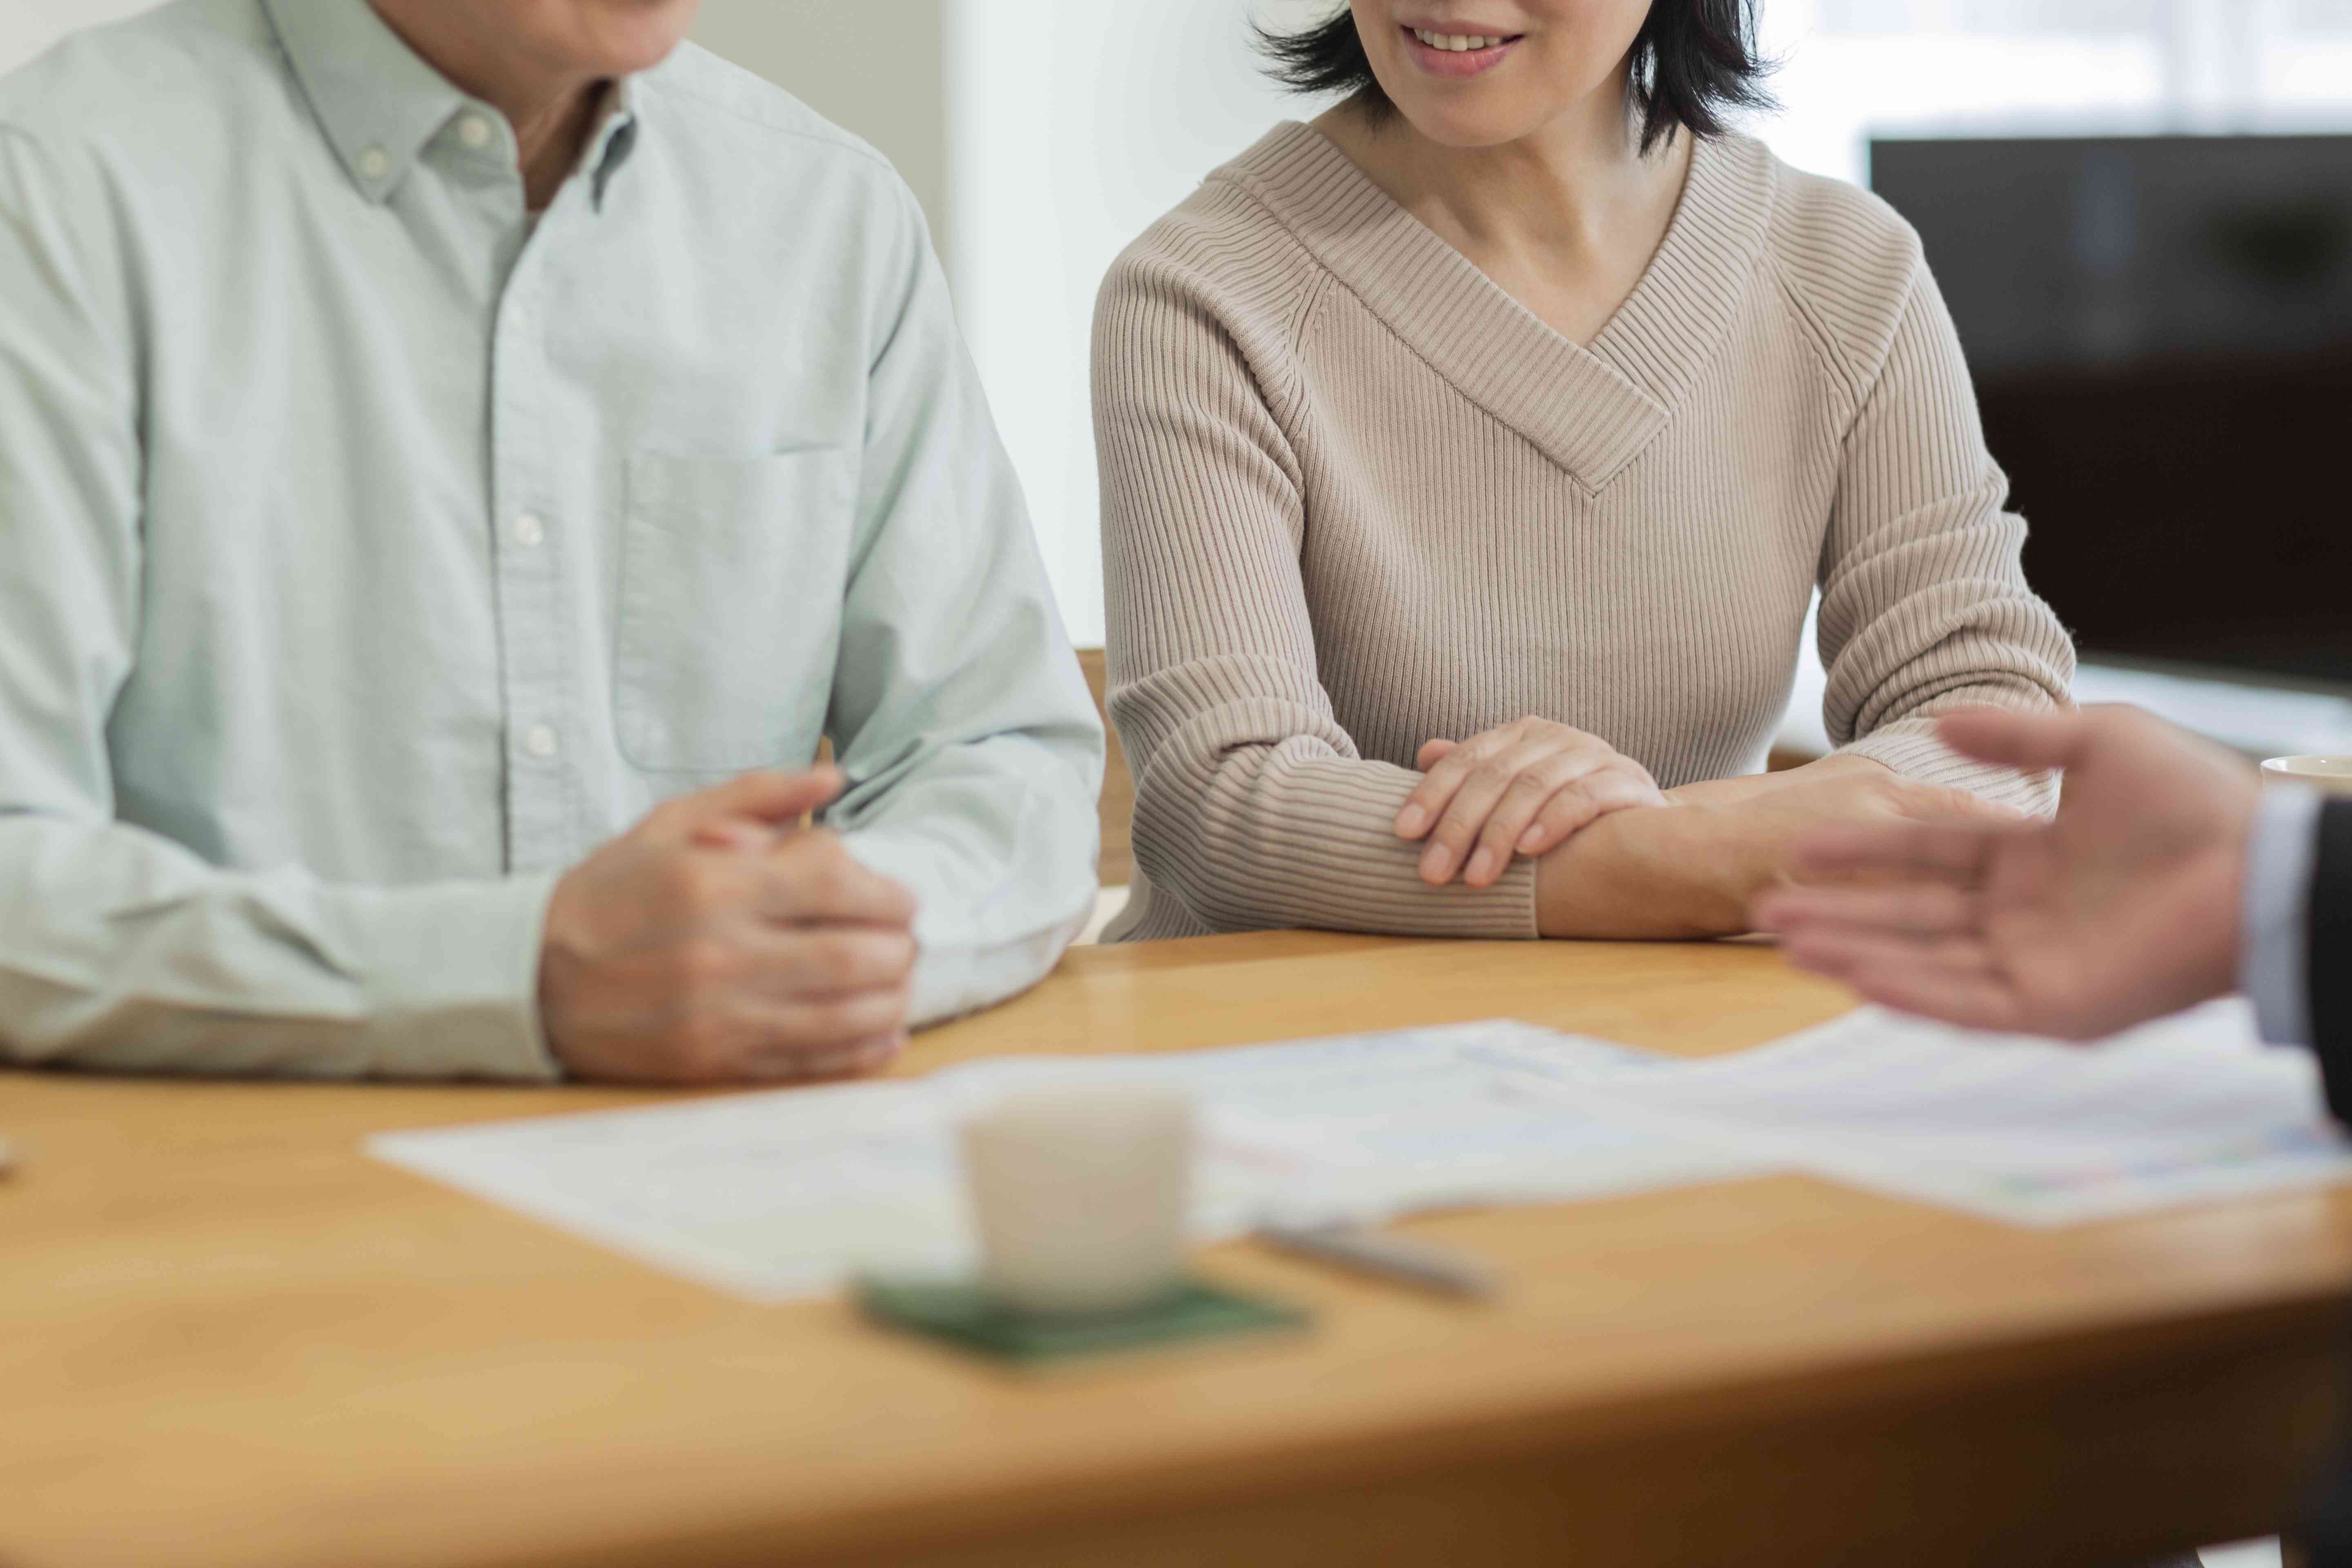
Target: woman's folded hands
1617 857
1519 789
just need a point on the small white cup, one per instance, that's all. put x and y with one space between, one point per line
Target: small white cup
2332 775
1080 1192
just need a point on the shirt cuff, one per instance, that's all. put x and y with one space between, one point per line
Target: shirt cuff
975 951
452 976
2274 913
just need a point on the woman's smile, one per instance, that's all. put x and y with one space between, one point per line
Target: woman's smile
1456 50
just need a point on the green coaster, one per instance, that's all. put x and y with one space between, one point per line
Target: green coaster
965 1316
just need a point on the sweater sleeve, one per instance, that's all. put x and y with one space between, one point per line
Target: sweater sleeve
1924 601
1253 806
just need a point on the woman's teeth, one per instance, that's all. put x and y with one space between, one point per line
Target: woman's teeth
1456 43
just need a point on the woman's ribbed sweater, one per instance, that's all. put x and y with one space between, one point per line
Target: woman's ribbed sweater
1355 496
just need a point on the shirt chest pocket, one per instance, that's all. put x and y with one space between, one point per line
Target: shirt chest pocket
732 577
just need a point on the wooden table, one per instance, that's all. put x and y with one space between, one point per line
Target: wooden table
228 1338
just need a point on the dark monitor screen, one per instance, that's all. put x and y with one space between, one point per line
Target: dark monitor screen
2160 331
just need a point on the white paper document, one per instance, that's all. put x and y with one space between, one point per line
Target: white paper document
2034 1131
790 1192
785 1193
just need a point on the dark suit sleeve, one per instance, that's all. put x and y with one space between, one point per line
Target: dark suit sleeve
2330 963
2326 1541
2328 1538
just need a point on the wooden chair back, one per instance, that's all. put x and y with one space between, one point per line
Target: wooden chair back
1119 787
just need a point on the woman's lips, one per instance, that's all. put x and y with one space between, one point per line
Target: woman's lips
1456 63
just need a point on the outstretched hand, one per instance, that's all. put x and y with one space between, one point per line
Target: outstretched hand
2122 909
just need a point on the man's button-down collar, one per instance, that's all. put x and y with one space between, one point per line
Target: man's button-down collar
380 103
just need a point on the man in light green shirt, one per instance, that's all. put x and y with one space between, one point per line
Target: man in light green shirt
453 455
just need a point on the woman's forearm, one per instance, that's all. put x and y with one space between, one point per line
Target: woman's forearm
1742 788
1651 873
1249 836
1692 866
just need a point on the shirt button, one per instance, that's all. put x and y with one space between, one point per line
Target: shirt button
375 162
540 742
530 531
474 131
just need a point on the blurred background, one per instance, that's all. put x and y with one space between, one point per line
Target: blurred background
2140 210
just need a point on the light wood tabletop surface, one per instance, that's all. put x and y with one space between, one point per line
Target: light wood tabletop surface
227 1337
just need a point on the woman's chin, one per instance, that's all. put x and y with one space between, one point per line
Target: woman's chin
1468 124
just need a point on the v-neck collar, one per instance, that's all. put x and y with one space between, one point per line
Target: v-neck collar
1590 409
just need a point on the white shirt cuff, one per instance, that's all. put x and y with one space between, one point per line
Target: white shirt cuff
2275 914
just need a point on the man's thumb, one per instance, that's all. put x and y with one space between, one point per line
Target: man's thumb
768 796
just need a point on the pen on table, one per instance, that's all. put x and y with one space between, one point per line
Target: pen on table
1389 1257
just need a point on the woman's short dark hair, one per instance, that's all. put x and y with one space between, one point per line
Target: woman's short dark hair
1693 59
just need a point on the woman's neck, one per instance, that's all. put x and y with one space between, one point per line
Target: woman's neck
1566 220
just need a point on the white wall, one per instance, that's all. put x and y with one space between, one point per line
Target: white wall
1073 125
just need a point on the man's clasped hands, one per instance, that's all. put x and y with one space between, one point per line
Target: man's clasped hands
723 939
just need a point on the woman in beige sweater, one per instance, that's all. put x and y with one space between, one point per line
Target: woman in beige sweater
1469 459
